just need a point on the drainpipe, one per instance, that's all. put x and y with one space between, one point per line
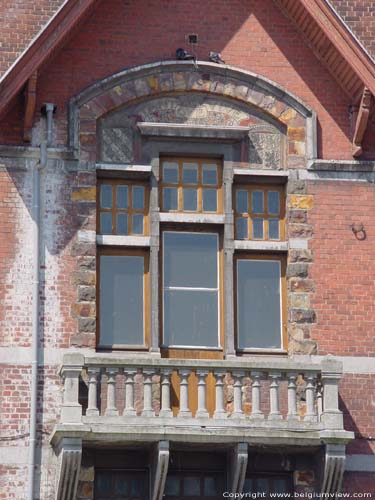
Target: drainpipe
49 110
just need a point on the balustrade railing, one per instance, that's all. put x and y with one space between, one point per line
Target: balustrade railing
244 391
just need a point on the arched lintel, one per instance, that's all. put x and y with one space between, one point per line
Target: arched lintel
183 76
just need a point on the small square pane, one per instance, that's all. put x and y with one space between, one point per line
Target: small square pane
190 199
121 485
192 486
106 196
211 487
190 173
169 198
137 224
209 200
209 174
257 202
172 486
241 201
170 172
273 202
105 223
136 487
248 485
122 197
103 484
122 224
242 232
258 232
273 229
138 201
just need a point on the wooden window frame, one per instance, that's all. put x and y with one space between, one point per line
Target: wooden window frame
193 352
199 186
202 474
266 216
126 251
127 471
283 306
130 211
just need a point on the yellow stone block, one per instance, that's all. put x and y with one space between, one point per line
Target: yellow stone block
84 194
288 115
118 90
305 201
296 133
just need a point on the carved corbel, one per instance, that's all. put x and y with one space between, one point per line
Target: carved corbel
361 122
239 460
333 468
30 102
161 469
70 454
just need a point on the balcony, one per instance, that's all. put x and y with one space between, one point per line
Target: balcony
267 400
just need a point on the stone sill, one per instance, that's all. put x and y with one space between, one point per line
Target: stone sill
129 241
275 175
192 131
264 246
116 168
193 218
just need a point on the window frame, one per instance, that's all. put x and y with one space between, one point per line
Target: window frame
126 251
283 302
250 187
129 211
199 186
193 351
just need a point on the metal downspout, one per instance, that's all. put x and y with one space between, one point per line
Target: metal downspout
49 108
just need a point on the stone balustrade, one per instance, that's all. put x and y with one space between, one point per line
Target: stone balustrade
296 392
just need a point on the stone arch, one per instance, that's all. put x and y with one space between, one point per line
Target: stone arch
161 79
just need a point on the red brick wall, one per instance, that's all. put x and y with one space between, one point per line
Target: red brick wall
343 271
359 482
252 35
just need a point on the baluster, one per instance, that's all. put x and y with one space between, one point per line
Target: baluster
255 395
184 394
292 397
219 395
319 400
147 394
92 408
310 415
274 396
111 392
237 395
165 410
202 407
129 410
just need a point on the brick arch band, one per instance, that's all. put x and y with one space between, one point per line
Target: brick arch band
166 78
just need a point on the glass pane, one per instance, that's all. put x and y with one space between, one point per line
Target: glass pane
241 201
190 173
138 197
209 174
192 486
190 199
105 196
263 485
280 485
122 197
242 232
121 484
172 486
121 299
273 229
211 487
122 224
258 230
248 485
209 200
136 487
170 172
103 484
258 303
191 318
105 223
137 224
169 198
190 259
273 202
257 202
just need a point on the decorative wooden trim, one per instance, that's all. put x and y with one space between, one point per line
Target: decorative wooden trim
49 39
361 122
30 102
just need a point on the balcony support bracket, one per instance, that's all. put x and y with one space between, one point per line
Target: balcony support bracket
238 467
361 122
69 456
161 462
334 468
